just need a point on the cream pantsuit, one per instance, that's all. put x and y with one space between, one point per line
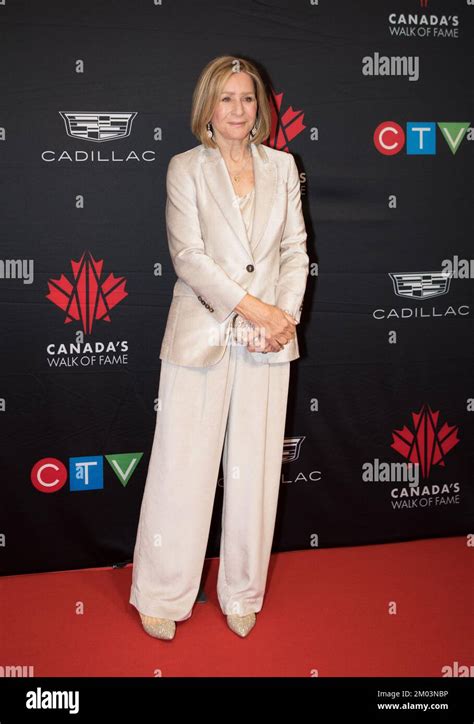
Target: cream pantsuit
238 403
216 397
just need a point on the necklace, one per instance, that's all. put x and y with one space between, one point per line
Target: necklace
237 176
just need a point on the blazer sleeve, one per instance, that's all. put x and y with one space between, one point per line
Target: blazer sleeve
196 268
294 261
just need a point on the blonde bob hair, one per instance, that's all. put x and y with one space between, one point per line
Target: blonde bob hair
208 88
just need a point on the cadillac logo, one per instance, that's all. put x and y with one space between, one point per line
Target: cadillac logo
97 126
421 285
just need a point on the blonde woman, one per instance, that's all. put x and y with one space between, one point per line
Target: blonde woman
237 241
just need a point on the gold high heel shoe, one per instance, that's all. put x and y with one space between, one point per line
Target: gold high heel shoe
241 625
160 628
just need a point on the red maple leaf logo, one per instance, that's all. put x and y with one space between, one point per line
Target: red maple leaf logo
426 445
285 125
87 298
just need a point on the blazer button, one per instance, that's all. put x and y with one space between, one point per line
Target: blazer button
250 267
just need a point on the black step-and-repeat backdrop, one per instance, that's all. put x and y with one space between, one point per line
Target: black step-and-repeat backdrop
374 100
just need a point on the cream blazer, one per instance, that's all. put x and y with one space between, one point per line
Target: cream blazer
217 264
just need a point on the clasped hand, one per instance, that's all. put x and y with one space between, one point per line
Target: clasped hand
276 331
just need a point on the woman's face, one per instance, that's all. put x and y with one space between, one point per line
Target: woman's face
236 108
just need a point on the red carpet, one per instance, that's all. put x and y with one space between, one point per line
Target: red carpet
326 613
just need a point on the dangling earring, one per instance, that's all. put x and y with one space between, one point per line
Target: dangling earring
253 131
209 130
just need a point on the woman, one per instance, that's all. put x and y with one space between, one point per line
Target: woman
237 241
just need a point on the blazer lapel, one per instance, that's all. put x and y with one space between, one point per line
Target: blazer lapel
219 183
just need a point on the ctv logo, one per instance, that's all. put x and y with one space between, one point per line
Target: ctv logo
420 137
49 475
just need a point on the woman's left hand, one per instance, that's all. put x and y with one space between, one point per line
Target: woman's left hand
259 344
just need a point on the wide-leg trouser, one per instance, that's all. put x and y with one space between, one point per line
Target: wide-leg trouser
237 407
